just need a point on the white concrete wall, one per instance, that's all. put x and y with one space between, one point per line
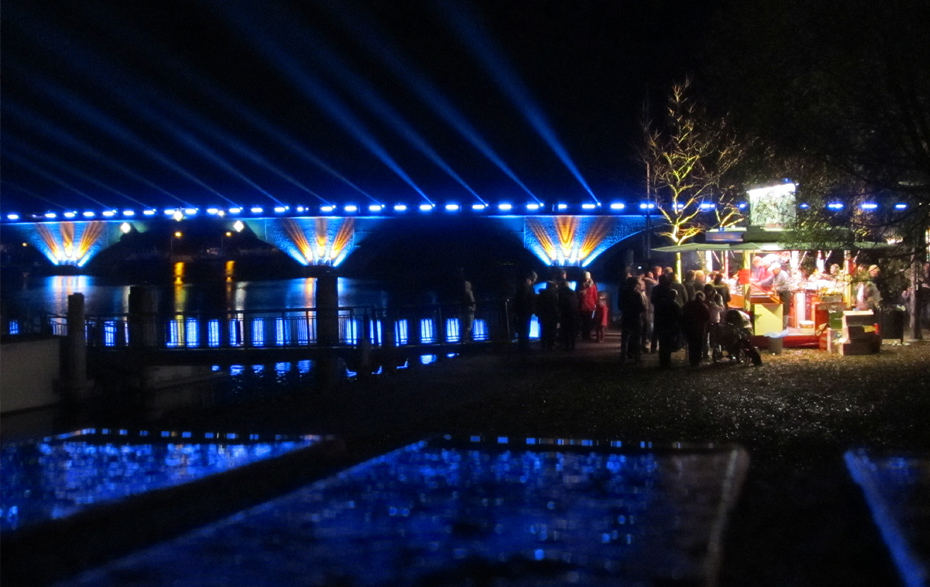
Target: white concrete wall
28 373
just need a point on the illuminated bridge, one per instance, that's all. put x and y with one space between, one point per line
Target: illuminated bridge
558 234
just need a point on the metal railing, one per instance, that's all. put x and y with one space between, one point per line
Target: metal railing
286 328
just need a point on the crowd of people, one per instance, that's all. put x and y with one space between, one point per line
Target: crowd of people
660 313
657 312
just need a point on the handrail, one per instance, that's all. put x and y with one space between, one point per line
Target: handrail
282 328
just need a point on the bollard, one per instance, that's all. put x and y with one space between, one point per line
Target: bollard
143 311
74 378
389 341
327 310
363 349
327 328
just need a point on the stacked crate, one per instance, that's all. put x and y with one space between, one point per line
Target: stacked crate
860 333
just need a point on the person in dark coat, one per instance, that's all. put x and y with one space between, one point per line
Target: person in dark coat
722 288
547 309
524 306
691 287
569 320
632 306
677 286
667 326
695 320
661 290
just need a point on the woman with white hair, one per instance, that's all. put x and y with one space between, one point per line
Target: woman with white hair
587 304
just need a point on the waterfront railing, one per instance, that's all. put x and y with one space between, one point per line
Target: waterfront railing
282 328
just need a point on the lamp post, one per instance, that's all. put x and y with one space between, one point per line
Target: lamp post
223 238
176 235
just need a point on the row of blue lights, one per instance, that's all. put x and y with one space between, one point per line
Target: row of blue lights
349 209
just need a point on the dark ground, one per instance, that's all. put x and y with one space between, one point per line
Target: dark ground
800 519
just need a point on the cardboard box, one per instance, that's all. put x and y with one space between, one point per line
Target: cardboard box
860 347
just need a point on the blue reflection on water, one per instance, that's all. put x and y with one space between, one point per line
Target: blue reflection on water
57 476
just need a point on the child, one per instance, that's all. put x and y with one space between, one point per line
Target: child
600 318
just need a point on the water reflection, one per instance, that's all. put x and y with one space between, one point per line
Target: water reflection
54 477
50 294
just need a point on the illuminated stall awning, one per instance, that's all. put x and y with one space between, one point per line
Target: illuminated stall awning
773 246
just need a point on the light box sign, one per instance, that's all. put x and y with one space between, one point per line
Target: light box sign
772 207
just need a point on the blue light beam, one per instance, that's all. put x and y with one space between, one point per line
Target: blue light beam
103 122
373 101
35 153
390 56
65 139
316 90
495 63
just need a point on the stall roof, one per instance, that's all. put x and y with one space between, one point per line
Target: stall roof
737 247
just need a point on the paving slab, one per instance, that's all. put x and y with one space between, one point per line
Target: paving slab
455 511
897 489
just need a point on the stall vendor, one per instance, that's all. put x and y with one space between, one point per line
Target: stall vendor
780 283
760 269
868 296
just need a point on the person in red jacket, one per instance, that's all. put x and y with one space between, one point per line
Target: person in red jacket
587 304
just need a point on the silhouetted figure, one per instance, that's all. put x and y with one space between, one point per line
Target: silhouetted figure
632 306
468 311
695 320
547 309
722 288
524 306
667 325
661 290
568 316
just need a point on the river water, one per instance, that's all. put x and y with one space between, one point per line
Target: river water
49 294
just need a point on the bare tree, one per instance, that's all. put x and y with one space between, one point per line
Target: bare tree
689 157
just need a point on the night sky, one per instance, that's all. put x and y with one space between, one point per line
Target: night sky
164 103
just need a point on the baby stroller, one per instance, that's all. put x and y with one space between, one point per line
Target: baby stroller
733 337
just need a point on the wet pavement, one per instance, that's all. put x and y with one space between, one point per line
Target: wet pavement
801 517
448 512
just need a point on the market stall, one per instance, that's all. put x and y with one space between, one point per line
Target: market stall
801 307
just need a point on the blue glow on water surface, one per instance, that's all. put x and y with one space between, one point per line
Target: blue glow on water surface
57 476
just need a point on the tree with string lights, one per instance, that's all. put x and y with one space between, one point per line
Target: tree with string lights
690 160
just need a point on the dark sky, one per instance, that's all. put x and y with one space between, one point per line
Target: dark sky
160 103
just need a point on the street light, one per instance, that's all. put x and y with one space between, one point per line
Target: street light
177 235
223 238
